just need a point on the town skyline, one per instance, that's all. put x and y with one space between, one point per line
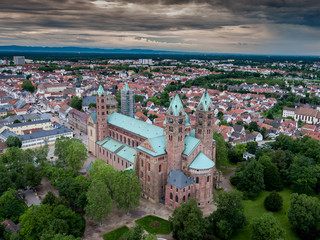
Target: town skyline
260 27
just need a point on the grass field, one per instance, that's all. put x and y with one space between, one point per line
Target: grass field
163 228
116 234
256 208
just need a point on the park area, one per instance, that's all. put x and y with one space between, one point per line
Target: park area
151 224
255 208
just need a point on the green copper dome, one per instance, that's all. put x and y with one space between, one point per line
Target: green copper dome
176 105
101 91
205 100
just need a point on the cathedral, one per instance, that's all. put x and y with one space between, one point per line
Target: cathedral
173 163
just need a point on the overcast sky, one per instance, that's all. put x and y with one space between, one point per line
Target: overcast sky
213 26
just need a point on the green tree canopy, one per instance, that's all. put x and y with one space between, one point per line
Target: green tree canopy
127 190
187 222
229 215
76 103
273 202
304 216
27 86
13 142
221 149
99 201
251 179
267 227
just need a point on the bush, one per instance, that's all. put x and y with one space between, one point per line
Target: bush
273 202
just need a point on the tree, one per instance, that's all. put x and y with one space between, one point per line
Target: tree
92 105
273 202
251 179
267 227
10 206
75 190
13 142
32 176
240 148
76 103
76 155
34 221
187 222
49 199
99 201
229 215
127 190
27 86
41 154
253 126
271 176
221 149
105 173
220 115
252 147
135 234
303 175
304 216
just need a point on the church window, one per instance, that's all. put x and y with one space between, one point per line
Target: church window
118 160
189 195
170 129
200 115
122 162
103 151
171 186
171 196
148 166
148 178
180 121
209 123
141 174
184 198
120 138
159 168
125 140
113 134
177 199
110 133
114 157
117 136
141 163
129 141
199 131
176 189
126 164
200 123
208 179
107 153
180 129
197 179
170 120
209 116
184 190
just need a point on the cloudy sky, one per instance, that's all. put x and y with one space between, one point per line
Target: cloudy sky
215 26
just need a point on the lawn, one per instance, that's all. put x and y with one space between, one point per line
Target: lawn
116 234
256 208
153 224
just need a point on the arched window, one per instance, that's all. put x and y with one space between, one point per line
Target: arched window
184 198
188 195
171 196
197 179
177 199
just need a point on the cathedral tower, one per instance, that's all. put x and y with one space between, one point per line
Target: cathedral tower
204 124
175 133
127 101
102 114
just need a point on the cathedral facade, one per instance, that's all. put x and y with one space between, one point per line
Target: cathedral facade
172 164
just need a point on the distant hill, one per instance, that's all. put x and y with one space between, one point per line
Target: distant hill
27 49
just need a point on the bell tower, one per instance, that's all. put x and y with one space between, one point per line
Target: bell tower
102 114
175 133
204 123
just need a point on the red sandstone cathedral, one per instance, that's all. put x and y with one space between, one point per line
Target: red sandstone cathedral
173 164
